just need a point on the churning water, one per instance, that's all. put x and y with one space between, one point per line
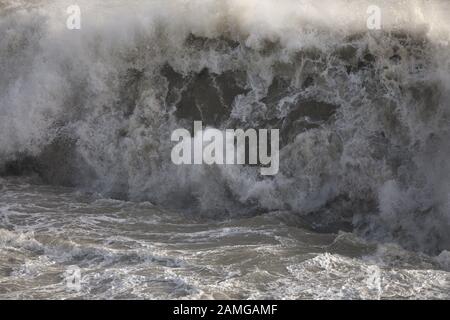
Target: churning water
360 207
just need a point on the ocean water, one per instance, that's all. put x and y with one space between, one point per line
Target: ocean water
137 251
360 208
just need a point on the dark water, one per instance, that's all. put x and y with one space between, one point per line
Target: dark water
359 209
134 251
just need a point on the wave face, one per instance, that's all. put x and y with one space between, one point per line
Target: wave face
363 115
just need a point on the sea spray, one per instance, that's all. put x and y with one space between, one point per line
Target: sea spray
363 114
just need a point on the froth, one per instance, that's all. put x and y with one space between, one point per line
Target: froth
363 114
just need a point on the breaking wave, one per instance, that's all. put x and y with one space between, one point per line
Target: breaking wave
363 115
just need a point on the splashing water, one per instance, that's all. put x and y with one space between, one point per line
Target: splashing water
363 118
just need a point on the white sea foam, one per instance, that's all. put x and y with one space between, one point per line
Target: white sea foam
364 113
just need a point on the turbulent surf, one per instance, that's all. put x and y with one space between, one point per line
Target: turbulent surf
86 117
